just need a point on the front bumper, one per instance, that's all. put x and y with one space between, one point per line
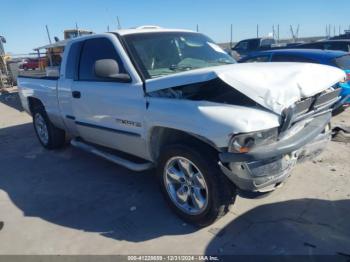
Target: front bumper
265 169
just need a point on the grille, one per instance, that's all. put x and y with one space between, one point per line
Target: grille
311 106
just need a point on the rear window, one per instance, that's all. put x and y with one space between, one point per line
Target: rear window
268 42
343 62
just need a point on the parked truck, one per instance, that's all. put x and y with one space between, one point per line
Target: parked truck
247 46
173 100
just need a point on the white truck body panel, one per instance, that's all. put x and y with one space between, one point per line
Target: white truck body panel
214 121
274 86
251 122
46 92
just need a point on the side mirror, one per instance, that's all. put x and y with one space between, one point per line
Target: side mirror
109 69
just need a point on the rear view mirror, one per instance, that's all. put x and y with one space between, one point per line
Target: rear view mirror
109 69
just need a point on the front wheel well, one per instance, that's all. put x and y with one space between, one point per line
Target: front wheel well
161 137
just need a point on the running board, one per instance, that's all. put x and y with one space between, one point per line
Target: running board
113 158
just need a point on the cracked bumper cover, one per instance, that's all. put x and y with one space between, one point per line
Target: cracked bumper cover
265 168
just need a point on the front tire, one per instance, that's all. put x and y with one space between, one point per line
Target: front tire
193 184
49 136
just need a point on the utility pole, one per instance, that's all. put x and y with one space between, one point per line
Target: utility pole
77 28
231 36
107 28
333 30
48 34
295 34
273 32
339 30
118 21
257 31
197 28
278 33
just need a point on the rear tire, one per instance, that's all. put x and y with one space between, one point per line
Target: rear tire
216 193
49 136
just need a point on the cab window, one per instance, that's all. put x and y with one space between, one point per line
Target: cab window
93 50
242 45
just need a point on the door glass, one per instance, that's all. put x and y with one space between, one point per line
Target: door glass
93 50
343 62
242 46
72 60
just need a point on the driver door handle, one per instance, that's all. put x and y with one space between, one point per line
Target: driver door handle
76 94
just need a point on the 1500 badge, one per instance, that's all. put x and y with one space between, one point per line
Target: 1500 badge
128 122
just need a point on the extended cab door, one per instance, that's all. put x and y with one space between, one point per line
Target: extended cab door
107 112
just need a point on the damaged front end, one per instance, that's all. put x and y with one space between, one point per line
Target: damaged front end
303 134
276 117
214 90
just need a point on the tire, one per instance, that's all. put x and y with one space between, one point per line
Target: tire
338 111
341 136
54 137
220 193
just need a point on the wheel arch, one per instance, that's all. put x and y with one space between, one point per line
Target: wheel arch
162 136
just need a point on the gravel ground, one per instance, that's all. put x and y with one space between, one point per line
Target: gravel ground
70 202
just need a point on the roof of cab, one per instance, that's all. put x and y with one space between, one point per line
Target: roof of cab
148 29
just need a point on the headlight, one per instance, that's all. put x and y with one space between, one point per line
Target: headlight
243 143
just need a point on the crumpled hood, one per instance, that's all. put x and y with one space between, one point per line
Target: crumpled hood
274 86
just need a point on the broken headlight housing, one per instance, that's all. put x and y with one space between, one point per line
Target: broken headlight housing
243 143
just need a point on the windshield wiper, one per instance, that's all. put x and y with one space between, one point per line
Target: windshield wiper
227 62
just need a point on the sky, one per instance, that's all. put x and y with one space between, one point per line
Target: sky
23 22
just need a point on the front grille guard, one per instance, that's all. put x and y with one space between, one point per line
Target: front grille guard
313 106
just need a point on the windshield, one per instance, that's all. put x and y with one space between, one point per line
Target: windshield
343 62
159 54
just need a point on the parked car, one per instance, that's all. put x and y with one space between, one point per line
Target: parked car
247 46
29 63
340 45
337 59
175 101
346 35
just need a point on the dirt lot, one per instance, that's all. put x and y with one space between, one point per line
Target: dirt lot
70 202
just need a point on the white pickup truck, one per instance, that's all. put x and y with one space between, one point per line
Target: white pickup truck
174 100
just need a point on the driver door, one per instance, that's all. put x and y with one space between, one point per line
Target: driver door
107 112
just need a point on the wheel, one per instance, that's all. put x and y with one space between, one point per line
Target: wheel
49 136
341 136
193 184
338 111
